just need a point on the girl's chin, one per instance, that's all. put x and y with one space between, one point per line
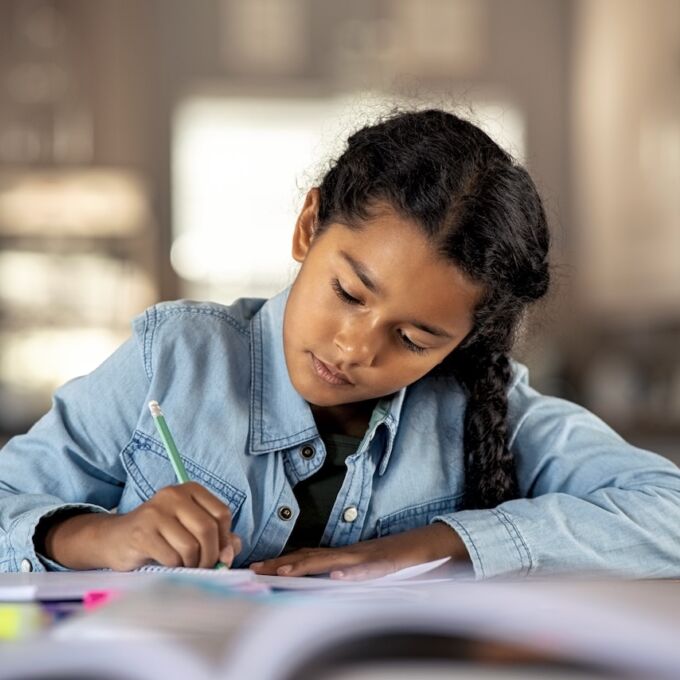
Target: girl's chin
326 397
315 399
321 400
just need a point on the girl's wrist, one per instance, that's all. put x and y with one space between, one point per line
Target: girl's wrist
76 541
447 543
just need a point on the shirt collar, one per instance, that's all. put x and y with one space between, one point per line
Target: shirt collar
387 412
279 416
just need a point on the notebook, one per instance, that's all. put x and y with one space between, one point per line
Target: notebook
73 585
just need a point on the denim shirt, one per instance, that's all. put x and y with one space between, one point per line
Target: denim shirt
589 500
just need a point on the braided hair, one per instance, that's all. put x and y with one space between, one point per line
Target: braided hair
481 211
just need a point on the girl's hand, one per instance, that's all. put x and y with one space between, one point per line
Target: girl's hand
370 559
180 526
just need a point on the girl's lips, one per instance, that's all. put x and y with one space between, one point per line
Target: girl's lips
327 374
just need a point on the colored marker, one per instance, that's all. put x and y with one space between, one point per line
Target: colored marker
19 621
97 598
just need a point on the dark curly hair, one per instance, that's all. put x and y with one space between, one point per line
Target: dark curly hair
481 211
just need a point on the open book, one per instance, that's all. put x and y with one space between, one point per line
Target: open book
205 632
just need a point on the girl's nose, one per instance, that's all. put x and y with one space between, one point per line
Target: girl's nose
357 343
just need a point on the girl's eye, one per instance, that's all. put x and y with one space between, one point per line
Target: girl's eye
410 345
351 300
343 294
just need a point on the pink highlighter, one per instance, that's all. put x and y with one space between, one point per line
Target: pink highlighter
98 598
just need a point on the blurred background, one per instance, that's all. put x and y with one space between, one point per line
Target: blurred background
155 149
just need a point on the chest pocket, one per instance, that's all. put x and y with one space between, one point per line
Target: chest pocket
416 515
149 470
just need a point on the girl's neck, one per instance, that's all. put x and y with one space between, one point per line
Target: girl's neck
348 419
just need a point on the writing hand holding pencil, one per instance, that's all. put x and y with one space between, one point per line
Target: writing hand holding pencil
182 525
228 545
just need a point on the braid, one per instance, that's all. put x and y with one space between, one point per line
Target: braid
490 476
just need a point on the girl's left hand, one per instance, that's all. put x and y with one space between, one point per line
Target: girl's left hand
370 559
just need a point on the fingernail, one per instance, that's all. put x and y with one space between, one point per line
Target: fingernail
227 555
337 574
285 569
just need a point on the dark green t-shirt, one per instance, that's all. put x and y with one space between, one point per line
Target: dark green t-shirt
316 494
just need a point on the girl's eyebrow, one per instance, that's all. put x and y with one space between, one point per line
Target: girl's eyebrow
362 272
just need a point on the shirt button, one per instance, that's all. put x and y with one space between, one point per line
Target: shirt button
26 565
307 452
285 512
350 514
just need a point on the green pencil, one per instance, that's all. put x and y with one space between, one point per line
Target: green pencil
173 453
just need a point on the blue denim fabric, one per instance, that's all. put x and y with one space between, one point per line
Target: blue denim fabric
590 501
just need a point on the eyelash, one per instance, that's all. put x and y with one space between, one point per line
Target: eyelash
350 300
343 294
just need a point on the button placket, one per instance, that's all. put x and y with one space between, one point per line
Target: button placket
350 513
354 497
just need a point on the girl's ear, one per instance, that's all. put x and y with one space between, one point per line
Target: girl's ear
305 225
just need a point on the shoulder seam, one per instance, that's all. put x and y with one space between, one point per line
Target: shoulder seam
220 314
149 328
153 320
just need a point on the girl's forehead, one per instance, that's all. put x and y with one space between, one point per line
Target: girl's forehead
394 259
391 245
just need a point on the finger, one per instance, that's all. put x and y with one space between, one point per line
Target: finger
365 571
161 552
217 509
203 527
227 556
270 566
265 568
182 541
320 563
229 552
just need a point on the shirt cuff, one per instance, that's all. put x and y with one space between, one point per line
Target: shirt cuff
25 558
495 544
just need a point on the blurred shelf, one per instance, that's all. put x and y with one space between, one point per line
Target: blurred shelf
77 258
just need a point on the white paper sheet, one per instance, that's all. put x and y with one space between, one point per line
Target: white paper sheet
73 585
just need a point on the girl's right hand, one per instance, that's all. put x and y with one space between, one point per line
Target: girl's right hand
180 526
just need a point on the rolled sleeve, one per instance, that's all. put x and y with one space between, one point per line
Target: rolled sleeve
70 458
589 502
21 536
494 543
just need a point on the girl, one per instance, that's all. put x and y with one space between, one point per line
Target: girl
366 419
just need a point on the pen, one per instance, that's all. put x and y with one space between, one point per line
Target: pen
171 448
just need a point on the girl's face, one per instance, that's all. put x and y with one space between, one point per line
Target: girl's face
371 310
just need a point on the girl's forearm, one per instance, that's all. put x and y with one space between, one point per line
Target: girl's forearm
78 541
